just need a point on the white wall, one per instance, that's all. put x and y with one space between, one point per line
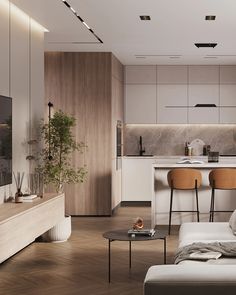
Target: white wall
22 78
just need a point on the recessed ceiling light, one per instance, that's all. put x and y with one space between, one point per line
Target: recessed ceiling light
145 17
199 45
140 57
210 17
176 56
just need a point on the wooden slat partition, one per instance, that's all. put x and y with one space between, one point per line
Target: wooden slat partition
80 83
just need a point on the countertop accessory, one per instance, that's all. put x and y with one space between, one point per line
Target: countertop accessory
206 149
213 157
141 148
197 145
19 180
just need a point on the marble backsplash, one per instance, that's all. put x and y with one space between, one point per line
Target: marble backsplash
169 140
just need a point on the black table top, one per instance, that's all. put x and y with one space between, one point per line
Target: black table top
122 235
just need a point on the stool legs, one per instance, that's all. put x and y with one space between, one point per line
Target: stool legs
196 190
171 203
212 206
170 212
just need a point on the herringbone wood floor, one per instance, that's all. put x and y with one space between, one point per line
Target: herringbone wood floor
79 266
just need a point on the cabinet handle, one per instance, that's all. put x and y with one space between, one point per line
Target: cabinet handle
205 105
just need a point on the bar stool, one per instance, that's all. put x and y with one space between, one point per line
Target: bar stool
224 179
183 179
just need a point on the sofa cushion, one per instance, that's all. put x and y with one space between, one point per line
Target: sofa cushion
232 222
190 279
207 232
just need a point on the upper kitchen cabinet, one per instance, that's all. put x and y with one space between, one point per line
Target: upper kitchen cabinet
228 104
172 74
140 74
140 104
172 101
227 74
203 94
203 74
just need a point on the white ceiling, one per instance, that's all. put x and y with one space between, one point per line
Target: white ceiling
174 28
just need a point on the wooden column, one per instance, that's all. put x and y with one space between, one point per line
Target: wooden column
79 83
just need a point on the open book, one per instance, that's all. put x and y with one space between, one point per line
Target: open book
189 161
205 255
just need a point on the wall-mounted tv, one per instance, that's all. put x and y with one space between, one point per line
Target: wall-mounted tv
5 140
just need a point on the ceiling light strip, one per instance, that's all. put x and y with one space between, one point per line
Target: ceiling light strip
82 21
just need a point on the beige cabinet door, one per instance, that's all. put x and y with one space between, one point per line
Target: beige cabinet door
172 74
172 101
140 104
228 103
203 74
140 74
227 74
137 179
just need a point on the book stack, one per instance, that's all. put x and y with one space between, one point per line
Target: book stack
142 232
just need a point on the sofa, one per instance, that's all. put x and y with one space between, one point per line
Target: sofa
213 276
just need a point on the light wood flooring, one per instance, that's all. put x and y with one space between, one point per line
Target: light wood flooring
79 266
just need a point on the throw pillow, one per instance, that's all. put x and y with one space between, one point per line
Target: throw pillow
232 222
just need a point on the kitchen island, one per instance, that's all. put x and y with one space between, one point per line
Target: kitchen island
185 200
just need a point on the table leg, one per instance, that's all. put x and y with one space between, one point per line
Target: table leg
165 250
109 261
129 254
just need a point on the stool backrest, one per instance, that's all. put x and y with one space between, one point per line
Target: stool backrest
184 178
223 178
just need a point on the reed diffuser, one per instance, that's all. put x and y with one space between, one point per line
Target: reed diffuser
19 180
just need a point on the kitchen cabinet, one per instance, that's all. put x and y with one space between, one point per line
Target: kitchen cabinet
203 74
137 179
228 103
172 74
140 74
203 94
227 74
172 101
140 104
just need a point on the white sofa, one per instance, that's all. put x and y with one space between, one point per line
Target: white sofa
196 277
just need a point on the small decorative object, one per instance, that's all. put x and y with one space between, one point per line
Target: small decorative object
60 232
138 223
213 157
19 180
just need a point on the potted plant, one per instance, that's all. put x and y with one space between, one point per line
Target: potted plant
56 165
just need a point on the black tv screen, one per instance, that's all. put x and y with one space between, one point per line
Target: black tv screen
5 140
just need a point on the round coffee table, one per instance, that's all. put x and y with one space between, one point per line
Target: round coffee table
122 235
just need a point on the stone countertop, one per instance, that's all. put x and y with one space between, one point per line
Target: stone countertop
171 163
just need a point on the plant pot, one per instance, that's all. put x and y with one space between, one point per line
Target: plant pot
60 232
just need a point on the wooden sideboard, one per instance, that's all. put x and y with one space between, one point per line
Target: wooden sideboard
21 224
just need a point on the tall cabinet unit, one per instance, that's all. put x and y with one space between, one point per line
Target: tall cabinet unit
82 84
117 115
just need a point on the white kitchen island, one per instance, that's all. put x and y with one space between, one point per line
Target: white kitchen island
185 200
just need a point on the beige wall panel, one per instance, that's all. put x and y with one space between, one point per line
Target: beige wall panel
19 88
4 56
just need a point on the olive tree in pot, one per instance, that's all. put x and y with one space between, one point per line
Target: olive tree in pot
56 164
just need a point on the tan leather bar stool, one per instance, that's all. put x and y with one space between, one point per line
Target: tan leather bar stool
183 179
224 179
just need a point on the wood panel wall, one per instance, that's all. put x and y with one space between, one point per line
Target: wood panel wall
79 83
